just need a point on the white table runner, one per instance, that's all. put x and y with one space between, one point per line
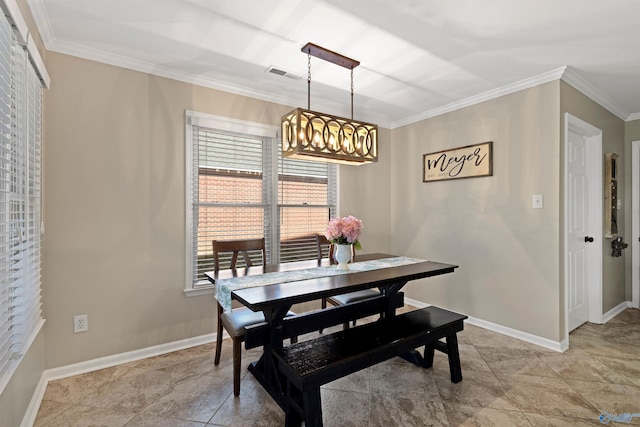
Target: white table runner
224 287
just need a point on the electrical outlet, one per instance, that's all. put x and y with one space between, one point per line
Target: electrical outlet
80 323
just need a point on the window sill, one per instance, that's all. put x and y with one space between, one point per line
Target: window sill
201 290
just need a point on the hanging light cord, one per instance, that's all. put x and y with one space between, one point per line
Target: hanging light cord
352 94
309 82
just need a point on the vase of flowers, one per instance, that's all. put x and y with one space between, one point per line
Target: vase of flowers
344 233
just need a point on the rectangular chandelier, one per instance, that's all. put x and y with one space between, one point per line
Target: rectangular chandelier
311 135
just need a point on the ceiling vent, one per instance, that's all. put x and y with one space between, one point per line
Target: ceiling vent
281 72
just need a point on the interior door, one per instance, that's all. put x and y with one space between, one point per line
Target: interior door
578 236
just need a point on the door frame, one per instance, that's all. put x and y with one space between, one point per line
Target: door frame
635 224
594 252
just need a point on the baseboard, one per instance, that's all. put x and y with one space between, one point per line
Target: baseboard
510 332
523 336
415 303
105 362
34 405
130 356
616 310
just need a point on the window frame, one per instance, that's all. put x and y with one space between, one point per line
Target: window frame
241 127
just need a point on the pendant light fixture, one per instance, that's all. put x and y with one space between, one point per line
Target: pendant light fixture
311 135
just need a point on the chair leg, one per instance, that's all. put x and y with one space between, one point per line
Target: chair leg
324 305
237 357
219 337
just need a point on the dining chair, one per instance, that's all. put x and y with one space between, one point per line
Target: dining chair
236 320
322 242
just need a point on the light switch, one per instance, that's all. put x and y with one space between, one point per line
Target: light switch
537 201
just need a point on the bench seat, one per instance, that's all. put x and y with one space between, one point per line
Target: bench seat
308 365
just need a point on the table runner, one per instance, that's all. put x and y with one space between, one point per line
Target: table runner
224 287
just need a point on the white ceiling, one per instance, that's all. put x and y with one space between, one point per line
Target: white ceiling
418 58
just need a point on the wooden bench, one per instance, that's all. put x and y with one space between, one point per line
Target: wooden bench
308 365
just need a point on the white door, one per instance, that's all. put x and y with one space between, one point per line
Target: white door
578 236
635 224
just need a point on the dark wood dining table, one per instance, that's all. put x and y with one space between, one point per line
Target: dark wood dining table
277 299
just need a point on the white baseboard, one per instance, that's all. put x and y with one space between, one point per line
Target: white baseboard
415 303
34 405
523 336
510 332
130 356
616 310
105 362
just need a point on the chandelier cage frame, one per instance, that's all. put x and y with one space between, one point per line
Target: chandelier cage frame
311 135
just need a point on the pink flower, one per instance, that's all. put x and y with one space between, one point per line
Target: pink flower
344 230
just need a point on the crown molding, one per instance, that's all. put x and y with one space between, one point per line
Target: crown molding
571 77
79 51
73 49
482 97
41 18
566 74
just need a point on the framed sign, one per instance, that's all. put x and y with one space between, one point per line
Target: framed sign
471 161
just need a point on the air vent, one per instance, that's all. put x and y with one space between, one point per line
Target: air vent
281 72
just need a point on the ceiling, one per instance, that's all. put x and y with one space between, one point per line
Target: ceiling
418 58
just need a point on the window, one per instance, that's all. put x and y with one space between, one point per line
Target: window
20 174
240 186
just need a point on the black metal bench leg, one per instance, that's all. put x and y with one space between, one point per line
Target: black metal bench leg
454 358
312 407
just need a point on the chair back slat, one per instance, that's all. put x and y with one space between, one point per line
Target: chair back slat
235 247
321 242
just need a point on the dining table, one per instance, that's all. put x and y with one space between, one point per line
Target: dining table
274 289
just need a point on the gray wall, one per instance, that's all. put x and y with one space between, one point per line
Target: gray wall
508 252
115 186
115 233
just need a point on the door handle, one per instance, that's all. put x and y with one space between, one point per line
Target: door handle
588 239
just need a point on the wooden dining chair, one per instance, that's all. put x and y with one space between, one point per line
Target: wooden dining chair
236 320
322 242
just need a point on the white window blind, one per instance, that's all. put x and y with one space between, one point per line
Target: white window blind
306 202
241 187
229 190
20 199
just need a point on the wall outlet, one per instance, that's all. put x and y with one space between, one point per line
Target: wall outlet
80 323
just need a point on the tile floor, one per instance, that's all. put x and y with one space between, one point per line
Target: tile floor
506 382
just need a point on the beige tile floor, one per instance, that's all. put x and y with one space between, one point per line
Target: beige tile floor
506 382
